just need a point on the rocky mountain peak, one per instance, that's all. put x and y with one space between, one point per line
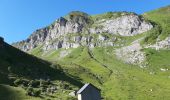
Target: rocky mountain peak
80 29
62 21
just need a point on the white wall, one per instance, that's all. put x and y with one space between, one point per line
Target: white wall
79 97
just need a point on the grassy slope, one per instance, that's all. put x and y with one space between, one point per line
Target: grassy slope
14 93
120 81
162 18
17 64
131 82
80 63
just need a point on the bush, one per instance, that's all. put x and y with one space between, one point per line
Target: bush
34 83
33 92
25 82
29 91
44 83
65 86
18 82
36 93
43 89
152 35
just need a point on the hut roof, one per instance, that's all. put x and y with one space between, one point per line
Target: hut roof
85 86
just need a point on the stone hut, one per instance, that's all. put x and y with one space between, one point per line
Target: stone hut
89 92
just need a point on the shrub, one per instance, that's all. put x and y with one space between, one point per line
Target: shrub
36 92
33 92
18 82
152 35
29 91
35 83
43 89
44 83
65 86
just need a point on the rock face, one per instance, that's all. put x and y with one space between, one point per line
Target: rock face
80 29
131 54
164 44
128 25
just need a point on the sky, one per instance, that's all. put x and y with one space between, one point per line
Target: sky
19 18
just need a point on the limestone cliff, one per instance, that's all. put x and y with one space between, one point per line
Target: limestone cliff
80 29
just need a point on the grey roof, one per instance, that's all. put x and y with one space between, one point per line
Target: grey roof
83 88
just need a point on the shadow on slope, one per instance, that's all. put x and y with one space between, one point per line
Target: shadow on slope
7 93
19 64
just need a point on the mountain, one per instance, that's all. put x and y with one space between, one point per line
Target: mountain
80 29
124 54
161 35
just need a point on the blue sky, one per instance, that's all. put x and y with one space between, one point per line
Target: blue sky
19 18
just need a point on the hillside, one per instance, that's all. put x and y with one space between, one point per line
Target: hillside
21 69
124 54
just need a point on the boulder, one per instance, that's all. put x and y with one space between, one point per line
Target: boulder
73 93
